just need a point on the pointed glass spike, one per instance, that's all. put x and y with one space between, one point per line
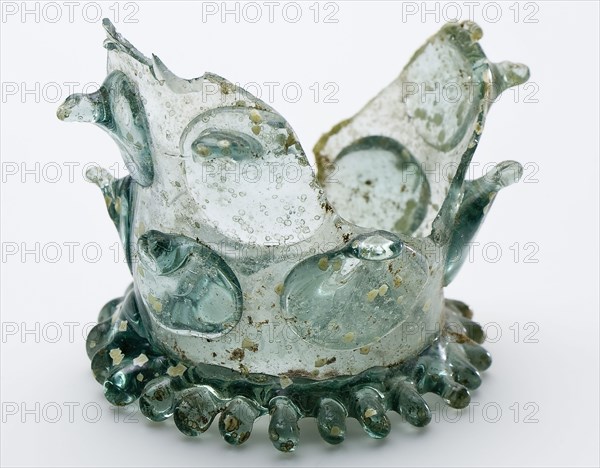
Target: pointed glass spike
116 389
369 409
454 394
462 327
111 347
331 421
117 195
477 355
407 402
473 330
463 371
237 419
478 198
82 108
434 375
101 364
508 74
117 108
196 409
128 377
108 309
459 308
98 337
284 431
157 401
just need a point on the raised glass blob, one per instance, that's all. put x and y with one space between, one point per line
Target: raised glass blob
260 287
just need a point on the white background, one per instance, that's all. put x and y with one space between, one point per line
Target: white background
538 404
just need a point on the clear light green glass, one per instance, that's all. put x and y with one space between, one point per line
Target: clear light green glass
288 292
